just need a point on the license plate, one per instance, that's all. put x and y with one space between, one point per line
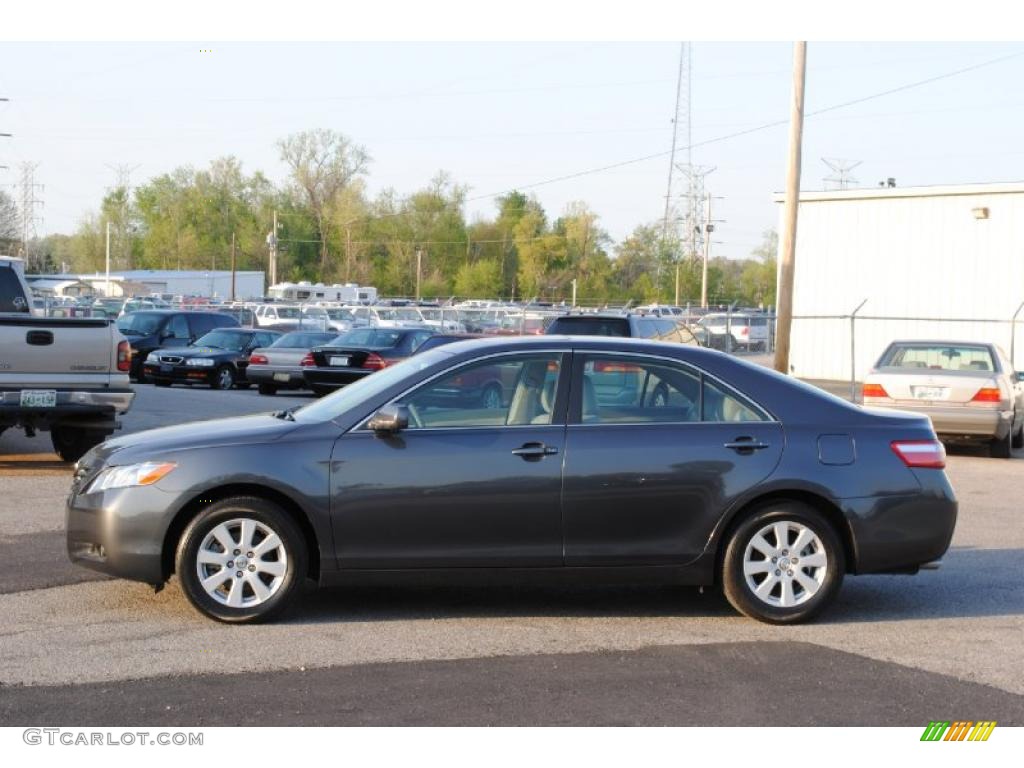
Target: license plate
281 377
930 393
339 360
38 398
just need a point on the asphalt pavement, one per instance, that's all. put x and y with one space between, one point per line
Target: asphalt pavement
76 648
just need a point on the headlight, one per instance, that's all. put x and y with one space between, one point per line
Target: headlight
146 473
152 357
200 362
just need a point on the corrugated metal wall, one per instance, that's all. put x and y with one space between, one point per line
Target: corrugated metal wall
921 256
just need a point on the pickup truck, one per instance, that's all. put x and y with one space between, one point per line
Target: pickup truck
65 375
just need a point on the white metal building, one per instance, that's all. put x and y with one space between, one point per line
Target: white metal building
953 255
209 283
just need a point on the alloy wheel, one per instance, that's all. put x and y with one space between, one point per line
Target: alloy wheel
785 564
241 563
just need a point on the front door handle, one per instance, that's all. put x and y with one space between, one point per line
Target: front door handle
535 451
746 445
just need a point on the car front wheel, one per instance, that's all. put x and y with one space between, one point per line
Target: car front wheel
783 564
242 560
224 378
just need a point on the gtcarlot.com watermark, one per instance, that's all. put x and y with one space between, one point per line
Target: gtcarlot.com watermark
70 737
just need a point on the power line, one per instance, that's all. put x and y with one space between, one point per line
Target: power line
755 129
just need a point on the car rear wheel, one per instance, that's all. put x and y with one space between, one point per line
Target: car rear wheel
1018 438
242 560
71 443
267 389
224 378
1001 447
783 564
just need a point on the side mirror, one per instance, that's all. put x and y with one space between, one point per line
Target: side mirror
389 420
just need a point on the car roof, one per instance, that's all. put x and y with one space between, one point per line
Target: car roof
944 342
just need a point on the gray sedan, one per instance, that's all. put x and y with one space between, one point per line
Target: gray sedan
612 459
969 390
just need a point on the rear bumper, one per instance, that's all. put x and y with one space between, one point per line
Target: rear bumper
958 421
71 405
334 377
275 374
894 534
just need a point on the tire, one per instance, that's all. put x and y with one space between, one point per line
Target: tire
1001 448
823 547
1018 438
223 378
71 443
281 570
266 389
491 397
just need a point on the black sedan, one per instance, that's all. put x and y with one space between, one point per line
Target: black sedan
359 353
734 475
218 359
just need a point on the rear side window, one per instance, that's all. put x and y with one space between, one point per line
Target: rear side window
177 328
590 326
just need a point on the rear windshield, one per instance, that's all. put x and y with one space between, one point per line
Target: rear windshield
940 357
12 298
302 340
590 326
377 338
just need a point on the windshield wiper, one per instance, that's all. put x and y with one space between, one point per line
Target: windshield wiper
286 414
128 331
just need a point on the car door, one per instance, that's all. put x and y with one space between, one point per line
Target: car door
469 483
649 471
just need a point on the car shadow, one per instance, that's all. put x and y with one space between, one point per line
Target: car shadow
971 583
43 463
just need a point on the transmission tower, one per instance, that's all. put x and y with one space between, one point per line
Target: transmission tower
29 203
680 123
123 184
840 177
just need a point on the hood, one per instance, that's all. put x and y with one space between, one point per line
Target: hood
200 352
239 430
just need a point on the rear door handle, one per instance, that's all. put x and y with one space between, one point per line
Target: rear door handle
535 451
746 445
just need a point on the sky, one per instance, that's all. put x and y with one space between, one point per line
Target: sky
502 116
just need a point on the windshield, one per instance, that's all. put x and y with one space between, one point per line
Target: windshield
367 388
941 357
314 312
224 340
289 313
140 323
340 314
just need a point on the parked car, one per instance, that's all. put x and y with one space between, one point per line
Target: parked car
359 353
280 365
150 330
67 376
219 359
272 314
970 391
440 339
744 477
736 331
626 325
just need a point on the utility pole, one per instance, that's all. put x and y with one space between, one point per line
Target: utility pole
233 266
272 245
348 252
419 271
574 293
4 135
787 251
708 229
107 291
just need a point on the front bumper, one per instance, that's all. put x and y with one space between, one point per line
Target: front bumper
119 532
179 374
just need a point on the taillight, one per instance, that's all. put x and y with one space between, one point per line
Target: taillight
307 360
920 454
258 360
745 331
124 356
875 390
374 362
988 395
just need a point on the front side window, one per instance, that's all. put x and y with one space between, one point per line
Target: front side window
630 390
508 391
